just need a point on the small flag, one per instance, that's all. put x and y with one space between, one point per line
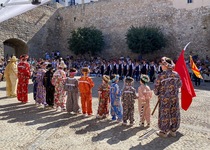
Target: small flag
195 69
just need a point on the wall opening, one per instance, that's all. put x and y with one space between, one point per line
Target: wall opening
14 47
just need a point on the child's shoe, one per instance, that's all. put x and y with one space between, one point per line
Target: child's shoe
113 118
172 133
141 124
119 120
72 113
161 134
99 117
124 123
131 123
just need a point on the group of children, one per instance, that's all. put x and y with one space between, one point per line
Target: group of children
120 103
60 89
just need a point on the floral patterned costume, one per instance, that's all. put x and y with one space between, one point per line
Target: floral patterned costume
58 80
128 99
104 99
167 89
145 95
23 80
41 91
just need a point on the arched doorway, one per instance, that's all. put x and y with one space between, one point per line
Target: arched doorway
14 47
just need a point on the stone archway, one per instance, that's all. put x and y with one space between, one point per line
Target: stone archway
15 47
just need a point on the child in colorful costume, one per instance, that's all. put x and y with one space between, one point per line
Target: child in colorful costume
116 104
10 74
104 97
128 99
58 80
41 90
24 75
145 95
50 89
71 86
85 87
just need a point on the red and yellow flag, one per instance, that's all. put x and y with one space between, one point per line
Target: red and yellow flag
195 68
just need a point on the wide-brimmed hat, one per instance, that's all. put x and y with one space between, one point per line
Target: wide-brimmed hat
106 78
145 78
44 63
129 80
24 57
168 62
62 65
114 77
72 70
85 70
13 59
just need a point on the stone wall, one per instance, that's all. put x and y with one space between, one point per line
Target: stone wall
45 29
32 28
115 17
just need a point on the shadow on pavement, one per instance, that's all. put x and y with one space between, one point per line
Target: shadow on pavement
31 115
3 89
158 143
62 120
92 125
116 134
5 97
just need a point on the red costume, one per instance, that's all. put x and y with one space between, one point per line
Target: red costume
23 79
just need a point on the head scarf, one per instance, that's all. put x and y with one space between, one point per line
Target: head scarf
167 62
114 78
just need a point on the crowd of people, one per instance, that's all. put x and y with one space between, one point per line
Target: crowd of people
55 87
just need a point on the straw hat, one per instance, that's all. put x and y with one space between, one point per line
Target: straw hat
106 78
62 65
73 70
13 59
145 78
85 70
129 80
24 57
43 63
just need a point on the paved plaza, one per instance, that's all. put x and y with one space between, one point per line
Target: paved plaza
26 127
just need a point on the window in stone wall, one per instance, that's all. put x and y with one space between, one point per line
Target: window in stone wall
189 1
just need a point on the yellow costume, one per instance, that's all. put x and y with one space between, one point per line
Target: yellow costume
11 77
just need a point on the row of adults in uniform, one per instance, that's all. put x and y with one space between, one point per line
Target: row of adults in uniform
128 68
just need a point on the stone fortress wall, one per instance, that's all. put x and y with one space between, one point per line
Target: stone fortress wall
47 29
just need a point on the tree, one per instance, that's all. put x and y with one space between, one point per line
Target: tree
145 39
87 40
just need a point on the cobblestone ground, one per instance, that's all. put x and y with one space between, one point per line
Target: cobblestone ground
26 127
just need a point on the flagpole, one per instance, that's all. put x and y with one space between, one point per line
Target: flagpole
155 108
186 46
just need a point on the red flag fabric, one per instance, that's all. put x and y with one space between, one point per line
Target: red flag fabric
187 90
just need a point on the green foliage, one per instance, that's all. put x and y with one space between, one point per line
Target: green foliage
145 39
87 40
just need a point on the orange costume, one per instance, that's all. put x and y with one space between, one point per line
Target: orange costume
85 87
